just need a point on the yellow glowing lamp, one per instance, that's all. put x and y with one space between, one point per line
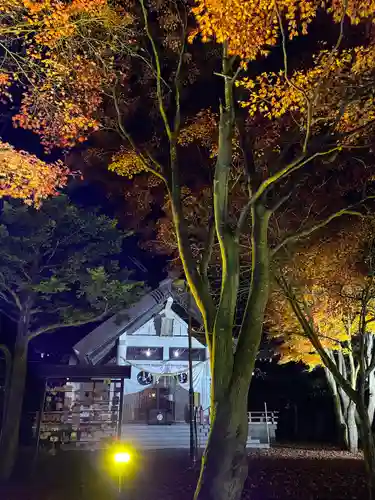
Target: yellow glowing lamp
122 457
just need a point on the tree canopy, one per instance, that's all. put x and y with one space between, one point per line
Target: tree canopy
24 176
323 313
254 152
328 275
59 266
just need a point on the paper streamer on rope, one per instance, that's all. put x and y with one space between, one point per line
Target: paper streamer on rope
166 369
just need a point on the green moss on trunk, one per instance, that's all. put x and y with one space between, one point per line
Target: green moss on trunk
224 466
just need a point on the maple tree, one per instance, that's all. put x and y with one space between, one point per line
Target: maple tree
324 316
58 269
289 134
324 273
24 176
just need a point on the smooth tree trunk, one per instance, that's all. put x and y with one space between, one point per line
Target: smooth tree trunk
339 412
345 408
224 464
371 397
368 445
8 372
369 352
11 424
349 410
351 428
224 467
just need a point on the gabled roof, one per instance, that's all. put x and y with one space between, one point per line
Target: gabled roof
98 343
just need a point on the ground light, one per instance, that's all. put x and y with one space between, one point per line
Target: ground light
121 462
122 457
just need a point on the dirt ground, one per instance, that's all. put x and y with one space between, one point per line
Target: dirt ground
280 473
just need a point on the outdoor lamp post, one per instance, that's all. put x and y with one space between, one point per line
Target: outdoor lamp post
121 459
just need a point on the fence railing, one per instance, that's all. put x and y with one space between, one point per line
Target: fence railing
203 417
262 417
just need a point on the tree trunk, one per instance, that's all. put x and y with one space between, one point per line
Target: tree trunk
368 445
224 465
348 408
345 409
10 431
8 373
351 428
371 397
339 411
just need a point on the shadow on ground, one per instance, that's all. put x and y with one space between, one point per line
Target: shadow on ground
281 473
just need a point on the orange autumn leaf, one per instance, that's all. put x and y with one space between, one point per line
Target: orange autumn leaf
252 28
328 278
24 176
65 71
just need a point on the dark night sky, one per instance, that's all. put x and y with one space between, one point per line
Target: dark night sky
86 194
151 268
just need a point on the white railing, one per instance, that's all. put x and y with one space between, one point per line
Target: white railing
203 416
262 417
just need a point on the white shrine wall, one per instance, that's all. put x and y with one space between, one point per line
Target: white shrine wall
146 337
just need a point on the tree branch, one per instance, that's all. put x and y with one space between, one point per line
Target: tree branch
307 232
4 298
125 134
9 315
297 164
315 341
16 299
292 84
208 248
57 326
158 71
177 81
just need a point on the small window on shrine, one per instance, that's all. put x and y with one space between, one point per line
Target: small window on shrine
166 327
144 353
182 354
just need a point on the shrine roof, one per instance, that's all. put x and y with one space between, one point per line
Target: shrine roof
95 346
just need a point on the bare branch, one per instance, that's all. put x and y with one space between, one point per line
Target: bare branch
292 84
307 232
12 293
281 201
5 299
158 71
57 326
177 81
9 315
297 164
208 248
125 134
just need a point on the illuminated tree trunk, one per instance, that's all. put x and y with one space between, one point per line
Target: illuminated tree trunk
349 409
345 408
371 397
369 352
352 430
224 467
356 394
368 445
12 417
339 413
